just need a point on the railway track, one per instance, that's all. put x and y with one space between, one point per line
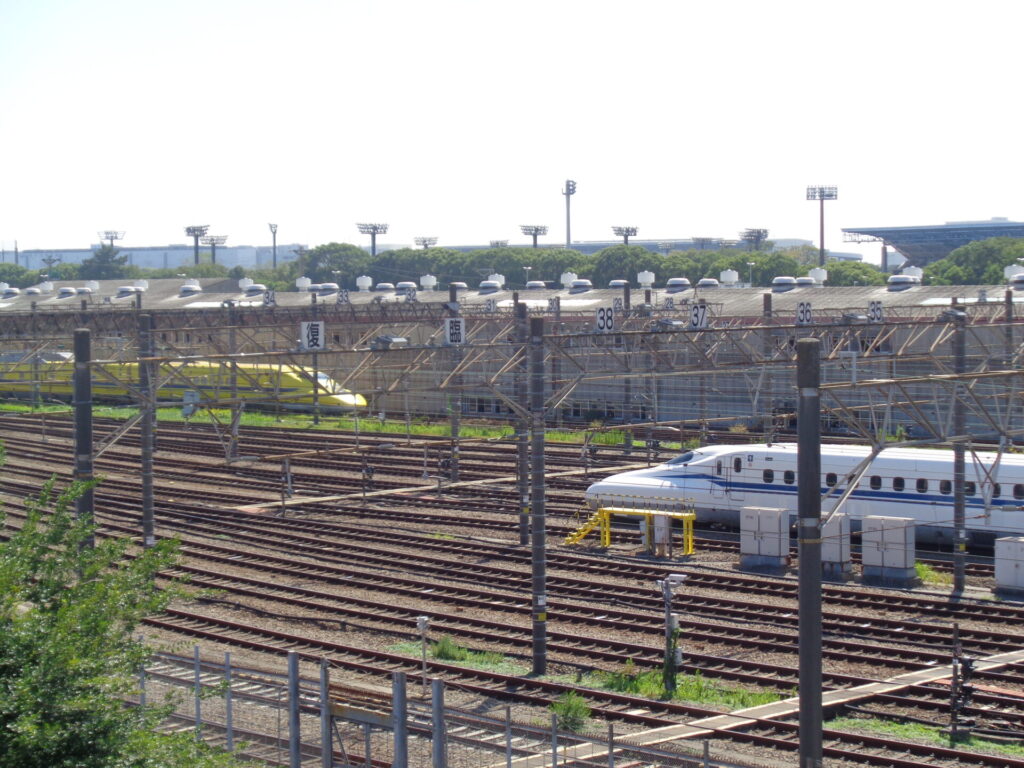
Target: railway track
595 594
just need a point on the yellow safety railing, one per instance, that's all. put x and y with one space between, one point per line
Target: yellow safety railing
602 518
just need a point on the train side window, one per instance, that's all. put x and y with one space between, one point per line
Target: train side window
830 479
1018 491
737 464
898 483
876 482
970 488
945 487
718 467
997 490
768 475
789 477
922 485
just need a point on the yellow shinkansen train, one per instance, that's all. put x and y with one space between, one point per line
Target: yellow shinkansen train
264 384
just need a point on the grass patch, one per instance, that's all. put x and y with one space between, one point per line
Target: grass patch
366 425
918 732
693 688
446 649
572 710
928 575
442 536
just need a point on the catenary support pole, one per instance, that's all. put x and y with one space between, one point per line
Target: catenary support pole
522 427
197 690
455 412
229 706
83 425
147 407
439 747
236 405
326 741
537 497
399 721
1008 329
294 732
808 381
959 343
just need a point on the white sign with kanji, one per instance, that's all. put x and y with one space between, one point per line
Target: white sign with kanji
311 336
454 331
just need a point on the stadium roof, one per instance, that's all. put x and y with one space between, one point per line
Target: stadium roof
923 245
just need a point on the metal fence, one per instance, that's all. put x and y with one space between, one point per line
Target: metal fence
286 717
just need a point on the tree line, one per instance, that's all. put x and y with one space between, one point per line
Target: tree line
977 263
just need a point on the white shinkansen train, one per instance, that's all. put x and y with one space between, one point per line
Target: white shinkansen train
915 483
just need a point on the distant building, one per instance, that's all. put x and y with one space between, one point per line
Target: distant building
923 245
161 256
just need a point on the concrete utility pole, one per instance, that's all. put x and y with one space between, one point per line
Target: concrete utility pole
568 191
538 517
808 465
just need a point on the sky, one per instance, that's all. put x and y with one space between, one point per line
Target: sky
462 119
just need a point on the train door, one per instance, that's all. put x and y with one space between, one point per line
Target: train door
735 485
720 479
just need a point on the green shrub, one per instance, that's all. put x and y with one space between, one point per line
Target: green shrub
572 710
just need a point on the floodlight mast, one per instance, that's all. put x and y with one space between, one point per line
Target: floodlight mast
754 238
111 235
213 241
425 242
195 232
273 233
821 194
625 233
534 230
569 191
373 230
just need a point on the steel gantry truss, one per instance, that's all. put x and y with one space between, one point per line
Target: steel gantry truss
894 378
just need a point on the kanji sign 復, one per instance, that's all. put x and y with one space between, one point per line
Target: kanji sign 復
311 336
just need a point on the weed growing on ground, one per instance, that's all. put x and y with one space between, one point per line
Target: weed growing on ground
447 650
693 688
572 710
928 575
921 733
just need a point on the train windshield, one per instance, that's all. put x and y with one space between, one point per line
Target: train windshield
325 381
685 458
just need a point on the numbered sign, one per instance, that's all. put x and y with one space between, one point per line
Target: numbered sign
269 299
454 331
604 320
312 336
668 303
698 316
490 306
875 312
803 313
618 304
410 295
343 296
554 304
